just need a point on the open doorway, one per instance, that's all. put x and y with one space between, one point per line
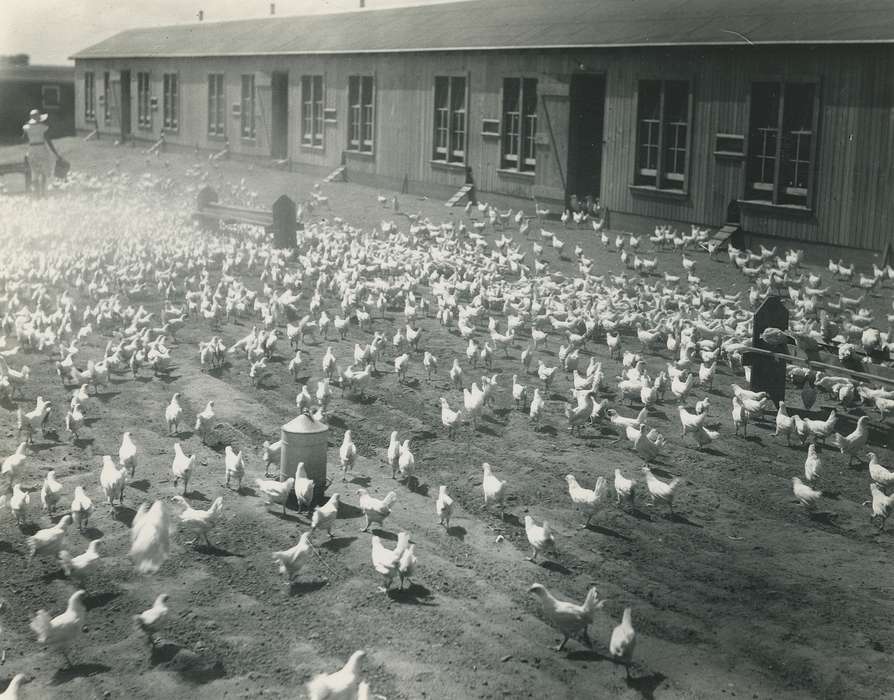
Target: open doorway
587 116
125 105
279 136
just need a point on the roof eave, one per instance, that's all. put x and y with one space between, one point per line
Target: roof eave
523 47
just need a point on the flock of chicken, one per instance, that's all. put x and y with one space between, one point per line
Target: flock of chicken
499 294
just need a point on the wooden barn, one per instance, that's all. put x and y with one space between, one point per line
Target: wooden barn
50 89
775 116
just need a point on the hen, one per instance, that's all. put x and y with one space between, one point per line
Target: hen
324 516
149 621
585 499
494 489
173 414
113 480
150 537
661 490
199 522
570 618
78 567
386 561
49 540
540 537
347 455
341 685
62 631
373 509
234 466
291 560
81 508
205 421
50 492
127 453
623 640
182 467
444 506
277 492
304 487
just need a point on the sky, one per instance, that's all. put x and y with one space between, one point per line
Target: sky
52 30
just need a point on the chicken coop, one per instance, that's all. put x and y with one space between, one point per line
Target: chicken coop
769 116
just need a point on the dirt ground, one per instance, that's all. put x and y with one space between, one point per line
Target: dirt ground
742 593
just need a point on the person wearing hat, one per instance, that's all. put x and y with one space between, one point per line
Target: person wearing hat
41 151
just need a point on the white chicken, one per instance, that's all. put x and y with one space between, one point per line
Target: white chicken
540 537
62 631
290 561
341 685
182 467
127 453
49 540
277 492
50 492
494 489
570 618
150 620
324 516
585 499
347 455
199 522
375 510
205 421
150 537
174 414
386 561
660 490
234 466
623 640
444 507
113 480
79 567
81 508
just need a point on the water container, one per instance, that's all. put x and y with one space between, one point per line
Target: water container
305 440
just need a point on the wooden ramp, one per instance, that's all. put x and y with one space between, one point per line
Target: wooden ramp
461 192
721 238
337 174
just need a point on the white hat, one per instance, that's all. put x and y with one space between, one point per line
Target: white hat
36 116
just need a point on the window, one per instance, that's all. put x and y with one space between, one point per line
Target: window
170 101
781 144
519 124
106 103
450 120
248 106
216 105
89 97
662 136
312 110
361 114
144 110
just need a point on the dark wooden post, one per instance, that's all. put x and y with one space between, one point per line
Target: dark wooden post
471 181
768 373
285 224
207 195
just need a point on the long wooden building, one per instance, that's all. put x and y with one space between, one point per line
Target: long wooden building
776 116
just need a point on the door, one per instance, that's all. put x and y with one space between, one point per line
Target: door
279 137
587 116
125 105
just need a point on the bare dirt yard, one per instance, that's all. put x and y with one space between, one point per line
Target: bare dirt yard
741 592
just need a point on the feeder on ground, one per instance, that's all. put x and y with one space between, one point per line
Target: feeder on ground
305 440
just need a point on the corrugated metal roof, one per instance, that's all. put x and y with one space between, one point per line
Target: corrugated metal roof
519 24
58 74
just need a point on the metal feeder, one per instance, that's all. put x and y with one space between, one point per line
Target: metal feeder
305 440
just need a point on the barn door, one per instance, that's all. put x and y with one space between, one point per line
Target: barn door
551 177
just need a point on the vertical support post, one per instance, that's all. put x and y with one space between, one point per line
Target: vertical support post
768 373
285 224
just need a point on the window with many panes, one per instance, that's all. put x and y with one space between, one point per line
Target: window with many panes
361 113
217 107
107 97
662 135
781 143
312 110
450 120
89 97
519 124
144 108
248 106
171 101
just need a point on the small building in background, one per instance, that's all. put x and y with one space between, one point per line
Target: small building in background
24 87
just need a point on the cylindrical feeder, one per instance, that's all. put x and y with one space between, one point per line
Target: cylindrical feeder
305 440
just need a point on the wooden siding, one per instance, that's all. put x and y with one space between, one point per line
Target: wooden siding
852 200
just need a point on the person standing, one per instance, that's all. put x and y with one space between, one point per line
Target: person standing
41 151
